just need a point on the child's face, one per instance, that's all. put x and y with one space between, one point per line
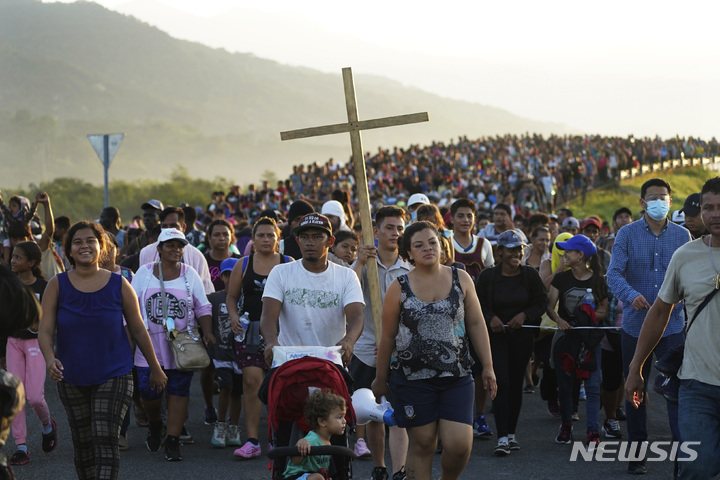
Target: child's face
14 207
346 250
335 423
19 261
226 278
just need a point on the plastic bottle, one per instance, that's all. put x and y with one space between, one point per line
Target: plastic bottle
588 298
244 322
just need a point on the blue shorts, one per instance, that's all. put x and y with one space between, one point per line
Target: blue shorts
178 383
420 402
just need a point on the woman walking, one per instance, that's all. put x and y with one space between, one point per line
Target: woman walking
84 309
511 295
247 283
172 298
425 316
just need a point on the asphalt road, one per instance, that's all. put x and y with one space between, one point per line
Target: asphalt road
539 457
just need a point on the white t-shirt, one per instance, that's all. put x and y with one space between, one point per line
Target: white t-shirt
690 276
312 312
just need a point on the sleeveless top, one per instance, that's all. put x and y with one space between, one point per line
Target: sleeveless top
431 340
252 290
471 257
91 340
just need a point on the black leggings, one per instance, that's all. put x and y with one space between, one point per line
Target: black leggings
510 353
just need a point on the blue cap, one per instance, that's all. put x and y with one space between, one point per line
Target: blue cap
227 265
581 243
511 239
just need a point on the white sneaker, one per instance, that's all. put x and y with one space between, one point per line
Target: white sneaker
232 436
219 435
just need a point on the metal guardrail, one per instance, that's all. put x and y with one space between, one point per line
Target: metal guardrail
668 164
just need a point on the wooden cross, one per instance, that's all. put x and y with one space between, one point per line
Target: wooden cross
353 127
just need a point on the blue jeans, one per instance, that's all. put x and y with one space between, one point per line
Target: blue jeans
592 391
699 417
637 417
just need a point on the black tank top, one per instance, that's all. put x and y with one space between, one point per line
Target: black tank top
252 290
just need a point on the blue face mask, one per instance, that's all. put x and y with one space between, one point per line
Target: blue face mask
658 209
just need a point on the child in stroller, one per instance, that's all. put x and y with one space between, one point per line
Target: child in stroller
288 390
325 413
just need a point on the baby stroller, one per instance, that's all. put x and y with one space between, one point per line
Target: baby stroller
288 389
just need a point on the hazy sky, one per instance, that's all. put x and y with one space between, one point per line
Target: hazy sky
612 67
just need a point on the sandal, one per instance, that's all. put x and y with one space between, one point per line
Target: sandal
141 419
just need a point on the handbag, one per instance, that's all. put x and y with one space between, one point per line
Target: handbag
188 349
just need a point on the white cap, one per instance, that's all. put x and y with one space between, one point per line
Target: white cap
171 234
418 198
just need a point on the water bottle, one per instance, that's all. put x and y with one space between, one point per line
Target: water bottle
588 298
244 322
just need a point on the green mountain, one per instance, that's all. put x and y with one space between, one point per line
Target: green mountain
68 70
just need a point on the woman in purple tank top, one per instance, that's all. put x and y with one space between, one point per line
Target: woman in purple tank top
84 309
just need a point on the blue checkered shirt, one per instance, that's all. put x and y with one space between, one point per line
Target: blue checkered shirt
638 265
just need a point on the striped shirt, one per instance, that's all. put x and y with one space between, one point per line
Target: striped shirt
638 265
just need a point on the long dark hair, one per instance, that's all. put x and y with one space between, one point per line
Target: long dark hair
32 252
405 241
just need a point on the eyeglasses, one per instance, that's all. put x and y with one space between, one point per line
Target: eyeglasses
318 237
653 197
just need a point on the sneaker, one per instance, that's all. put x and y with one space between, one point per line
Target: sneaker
379 473
19 458
582 396
611 428
513 443
529 389
502 449
553 408
592 441
480 427
232 437
249 450
576 417
400 474
667 386
565 434
219 435
172 449
154 436
620 414
361 449
211 417
49 441
122 443
185 437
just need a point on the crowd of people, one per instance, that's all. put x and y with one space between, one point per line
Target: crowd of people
482 296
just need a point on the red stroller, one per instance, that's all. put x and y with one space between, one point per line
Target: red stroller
288 390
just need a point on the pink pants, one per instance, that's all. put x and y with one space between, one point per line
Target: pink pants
25 361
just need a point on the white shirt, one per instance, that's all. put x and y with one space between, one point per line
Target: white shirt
313 304
191 256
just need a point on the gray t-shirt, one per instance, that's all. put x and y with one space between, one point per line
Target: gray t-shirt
690 276
365 347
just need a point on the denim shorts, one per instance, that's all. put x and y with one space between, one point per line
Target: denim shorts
178 383
420 402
